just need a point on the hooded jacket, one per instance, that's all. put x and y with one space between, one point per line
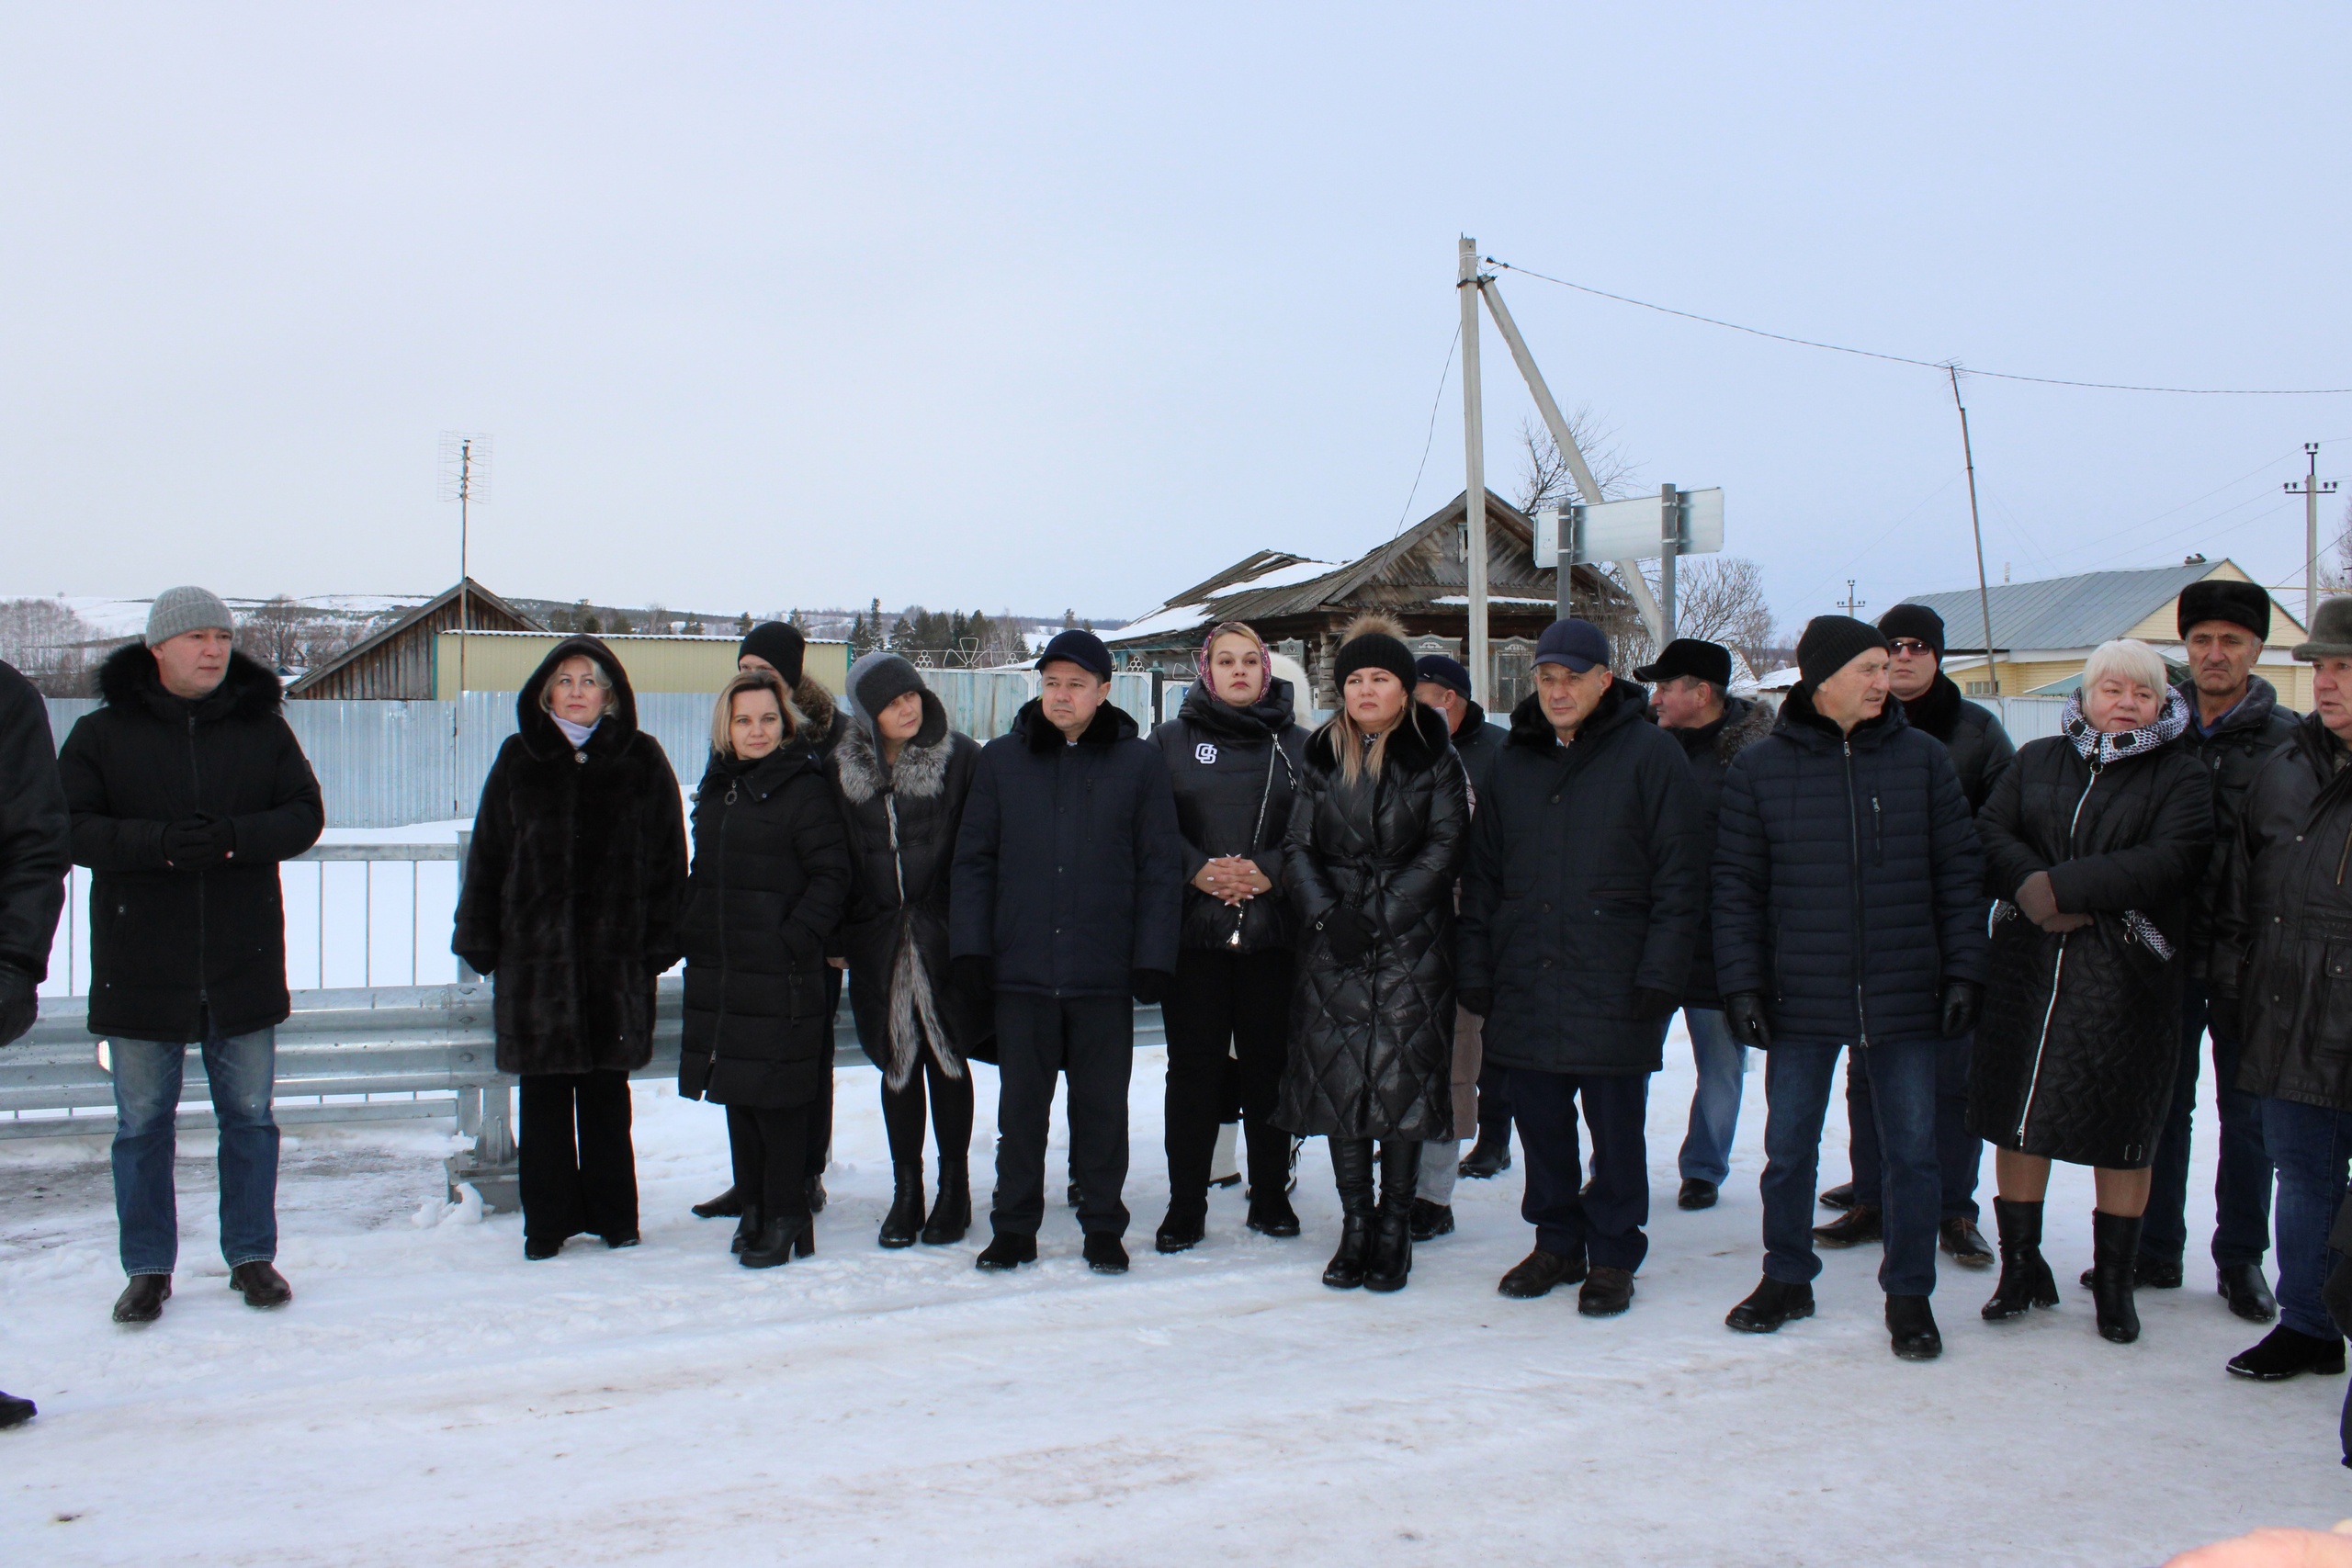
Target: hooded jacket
1373 1041
903 819
36 843
1980 748
1068 863
1849 881
1235 772
1710 749
2231 756
1587 881
575 882
172 948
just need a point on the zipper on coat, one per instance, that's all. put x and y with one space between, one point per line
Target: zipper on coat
718 1026
1878 832
2057 973
196 803
1854 840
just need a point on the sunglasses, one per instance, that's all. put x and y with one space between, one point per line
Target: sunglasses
1910 644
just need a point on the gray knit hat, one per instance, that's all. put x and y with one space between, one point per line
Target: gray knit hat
878 680
2330 635
178 610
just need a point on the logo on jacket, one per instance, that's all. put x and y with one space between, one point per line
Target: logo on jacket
1205 754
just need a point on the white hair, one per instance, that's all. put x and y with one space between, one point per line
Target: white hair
2129 660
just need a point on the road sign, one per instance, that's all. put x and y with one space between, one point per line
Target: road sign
1635 529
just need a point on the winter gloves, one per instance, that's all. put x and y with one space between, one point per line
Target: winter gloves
1958 1011
1149 987
1744 1010
18 1006
199 840
2038 901
1348 931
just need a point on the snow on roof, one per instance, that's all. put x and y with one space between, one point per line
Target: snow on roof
1181 618
1781 680
1494 599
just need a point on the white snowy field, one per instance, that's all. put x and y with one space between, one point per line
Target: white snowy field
432 1397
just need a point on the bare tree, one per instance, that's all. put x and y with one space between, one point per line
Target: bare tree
50 645
274 634
1721 599
1544 474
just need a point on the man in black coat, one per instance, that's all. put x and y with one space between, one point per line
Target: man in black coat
1981 752
186 790
35 855
1691 703
1064 904
1480 1093
2235 723
1580 906
1850 912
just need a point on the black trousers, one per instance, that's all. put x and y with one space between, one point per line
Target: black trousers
1602 1223
1092 1039
951 1114
1494 1104
820 1110
770 1158
579 1168
1228 1028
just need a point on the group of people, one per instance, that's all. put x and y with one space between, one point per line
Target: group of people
1405 925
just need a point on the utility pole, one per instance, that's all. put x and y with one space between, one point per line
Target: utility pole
465 479
1474 439
1670 539
1976 527
2311 489
1849 604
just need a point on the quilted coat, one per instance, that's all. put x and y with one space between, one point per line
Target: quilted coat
2079 1038
1586 879
771 878
1372 1051
1849 883
903 818
2231 755
2289 912
575 882
1711 749
1235 771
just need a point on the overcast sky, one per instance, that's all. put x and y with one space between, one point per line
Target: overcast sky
1070 307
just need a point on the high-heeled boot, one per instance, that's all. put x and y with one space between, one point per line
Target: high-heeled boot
1351 1173
780 1239
901 1226
747 1229
2025 1283
1392 1232
2115 1250
951 1215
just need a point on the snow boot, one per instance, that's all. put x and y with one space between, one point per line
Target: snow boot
951 1216
747 1229
727 1205
143 1300
2025 1280
1770 1304
778 1241
904 1222
260 1284
2286 1352
1392 1232
2115 1250
1912 1328
1006 1251
1351 1172
2248 1293
15 1412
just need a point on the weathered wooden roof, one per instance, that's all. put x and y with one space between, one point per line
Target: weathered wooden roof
480 599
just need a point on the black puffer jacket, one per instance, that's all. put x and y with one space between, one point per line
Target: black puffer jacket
2231 755
1981 750
1710 748
1235 771
168 946
575 882
771 878
35 848
1586 879
1372 1041
903 819
2286 913
1068 861
2079 1038
1849 883
1479 744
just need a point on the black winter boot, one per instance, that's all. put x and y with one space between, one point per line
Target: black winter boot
1489 1157
1351 1173
2024 1277
143 1300
1770 1304
779 1239
1392 1231
1911 1326
1270 1179
726 1206
15 1412
904 1221
747 1229
951 1216
2115 1251
1181 1229
1006 1251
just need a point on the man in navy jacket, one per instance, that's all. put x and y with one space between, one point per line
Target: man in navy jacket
1064 904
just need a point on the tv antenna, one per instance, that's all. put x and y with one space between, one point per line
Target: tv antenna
464 479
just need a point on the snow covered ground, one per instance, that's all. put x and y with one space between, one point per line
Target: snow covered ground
431 1397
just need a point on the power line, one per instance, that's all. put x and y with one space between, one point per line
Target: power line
1946 366
1430 439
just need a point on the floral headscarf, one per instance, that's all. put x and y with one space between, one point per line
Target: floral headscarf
1265 659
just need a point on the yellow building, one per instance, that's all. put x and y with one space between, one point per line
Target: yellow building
501 661
2044 632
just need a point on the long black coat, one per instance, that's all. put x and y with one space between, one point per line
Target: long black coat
575 882
1372 1041
2284 937
770 881
35 848
903 819
2079 1038
1849 883
2231 755
1479 744
170 945
1981 750
1586 879
1069 862
1710 748
1235 772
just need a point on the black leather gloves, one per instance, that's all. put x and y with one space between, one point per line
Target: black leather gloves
1149 987
18 1006
1959 1010
1479 999
1744 1010
1348 931
196 841
1649 1003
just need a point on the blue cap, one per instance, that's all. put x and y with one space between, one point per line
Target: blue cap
1579 645
1450 673
1082 648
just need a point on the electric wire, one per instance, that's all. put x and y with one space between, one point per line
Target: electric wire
1430 439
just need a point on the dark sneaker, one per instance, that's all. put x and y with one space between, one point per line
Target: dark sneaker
1959 1235
2248 1293
1005 1251
2285 1353
1855 1226
1606 1292
262 1285
143 1300
1770 1304
1695 1194
1104 1253
1430 1220
1535 1274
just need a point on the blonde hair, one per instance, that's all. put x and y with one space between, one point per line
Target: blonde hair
1356 758
599 676
722 717
2129 660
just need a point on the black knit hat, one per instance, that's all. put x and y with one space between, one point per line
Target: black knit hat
1914 621
1080 648
1374 650
1832 642
2246 604
780 645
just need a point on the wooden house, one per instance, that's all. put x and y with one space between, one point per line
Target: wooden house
397 662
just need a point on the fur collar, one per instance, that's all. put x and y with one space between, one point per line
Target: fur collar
1111 726
815 703
1415 747
920 772
127 679
1744 723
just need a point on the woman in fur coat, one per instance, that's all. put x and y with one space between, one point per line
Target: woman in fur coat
573 886
1376 836
901 776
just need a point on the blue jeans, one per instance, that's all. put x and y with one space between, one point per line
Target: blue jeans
1797 1083
2311 1147
2242 1177
1958 1152
241 1071
1714 1107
